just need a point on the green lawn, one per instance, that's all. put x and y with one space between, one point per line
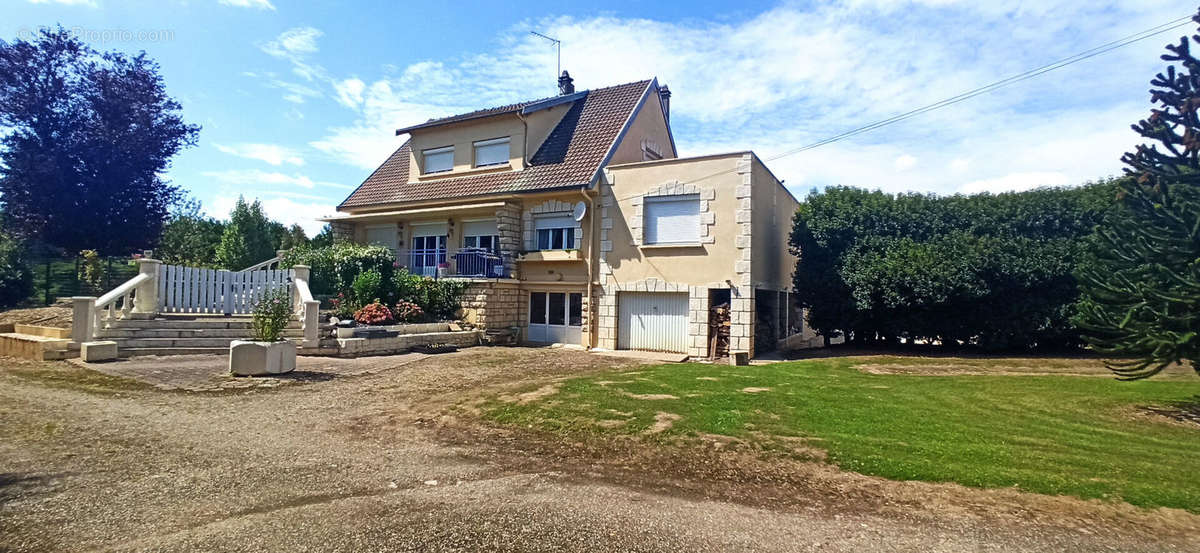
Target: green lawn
1072 435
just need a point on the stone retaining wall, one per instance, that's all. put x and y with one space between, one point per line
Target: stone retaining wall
355 347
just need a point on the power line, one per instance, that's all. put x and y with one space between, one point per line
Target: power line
1086 54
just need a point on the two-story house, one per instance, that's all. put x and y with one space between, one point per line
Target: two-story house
579 224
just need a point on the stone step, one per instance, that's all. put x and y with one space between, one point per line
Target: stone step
123 343
174 324
117 333
139 352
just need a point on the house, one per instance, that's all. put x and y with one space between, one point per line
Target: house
578 223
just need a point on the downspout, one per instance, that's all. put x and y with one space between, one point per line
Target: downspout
524 141
592 256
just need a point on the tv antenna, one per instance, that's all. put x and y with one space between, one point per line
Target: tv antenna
558 47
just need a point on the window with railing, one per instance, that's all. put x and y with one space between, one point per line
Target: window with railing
428 252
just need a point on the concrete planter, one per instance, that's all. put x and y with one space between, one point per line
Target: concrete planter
261 358
345 331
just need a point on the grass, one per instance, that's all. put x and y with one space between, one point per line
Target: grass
1070 435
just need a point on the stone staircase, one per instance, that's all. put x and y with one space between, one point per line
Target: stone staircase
169 334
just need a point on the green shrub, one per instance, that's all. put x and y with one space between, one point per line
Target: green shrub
16 279
335 267
367 286
440 299
271 316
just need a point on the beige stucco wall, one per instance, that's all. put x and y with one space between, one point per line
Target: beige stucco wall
699 265
463 136
773 209
649 124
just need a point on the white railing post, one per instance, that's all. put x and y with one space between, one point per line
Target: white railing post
146 293
83 318
308 309
311 324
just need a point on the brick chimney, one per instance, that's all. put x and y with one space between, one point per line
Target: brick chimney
566 85
664 95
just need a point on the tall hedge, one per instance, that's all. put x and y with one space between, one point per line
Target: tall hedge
988 270
334 268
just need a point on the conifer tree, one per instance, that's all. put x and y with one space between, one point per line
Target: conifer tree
1141 290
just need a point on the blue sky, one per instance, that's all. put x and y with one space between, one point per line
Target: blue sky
298 101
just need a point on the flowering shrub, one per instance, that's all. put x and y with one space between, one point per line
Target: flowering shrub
374 313
407 312
343 307
271 315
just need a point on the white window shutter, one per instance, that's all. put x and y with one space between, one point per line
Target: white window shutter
491 152
438 160
672 219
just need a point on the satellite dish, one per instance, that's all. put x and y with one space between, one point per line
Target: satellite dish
579 211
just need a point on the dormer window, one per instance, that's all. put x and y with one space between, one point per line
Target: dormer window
491 152
437 160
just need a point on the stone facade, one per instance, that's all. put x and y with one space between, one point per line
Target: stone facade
508 225
494 304
343 231
551 207
741 303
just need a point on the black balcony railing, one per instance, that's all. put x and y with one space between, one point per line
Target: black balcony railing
468 262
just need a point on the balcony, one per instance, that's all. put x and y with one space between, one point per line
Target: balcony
465 262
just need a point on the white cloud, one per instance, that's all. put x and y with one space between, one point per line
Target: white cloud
294 42
905 162
256 177
255 4
88 3
269 153
1016 182
350 92
280 208
797 74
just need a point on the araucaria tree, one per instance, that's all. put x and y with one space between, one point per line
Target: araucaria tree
88 138
1142 288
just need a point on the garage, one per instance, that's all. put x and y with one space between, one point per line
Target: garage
652 321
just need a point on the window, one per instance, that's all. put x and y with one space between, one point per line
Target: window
650 150
575 317
537 308
481 234
672 219
438 160
555 233
491 242
491 152
427 253
556 308
383 235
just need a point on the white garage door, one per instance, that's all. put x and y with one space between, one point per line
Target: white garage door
654 321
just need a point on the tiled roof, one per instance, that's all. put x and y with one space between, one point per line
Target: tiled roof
570 156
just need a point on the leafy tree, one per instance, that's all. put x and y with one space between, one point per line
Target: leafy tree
190 238
1142 285
323 239
993 271
88 137
293 237
16 279
248 238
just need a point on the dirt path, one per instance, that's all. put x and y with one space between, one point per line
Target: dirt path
90 462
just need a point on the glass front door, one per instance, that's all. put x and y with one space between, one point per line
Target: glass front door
556 317
427 253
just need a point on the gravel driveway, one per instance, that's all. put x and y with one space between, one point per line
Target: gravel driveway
352 462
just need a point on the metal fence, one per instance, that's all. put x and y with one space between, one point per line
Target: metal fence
62 277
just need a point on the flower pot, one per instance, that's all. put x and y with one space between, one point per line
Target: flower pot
261 358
